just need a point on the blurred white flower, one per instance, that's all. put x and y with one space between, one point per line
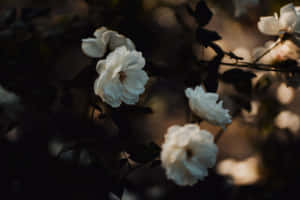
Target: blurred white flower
244 172
122 77
241 6
187 153
285 50
285 94
10 104
288 22
104 40
204 105
288 120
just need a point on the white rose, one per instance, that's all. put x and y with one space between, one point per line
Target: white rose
288 22
187 153
104 39
122 78
204 105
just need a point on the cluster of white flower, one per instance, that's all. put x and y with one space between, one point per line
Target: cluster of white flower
187 153
287 23
121 75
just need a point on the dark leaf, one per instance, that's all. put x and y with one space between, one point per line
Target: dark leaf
205 37
288 65
236 75
203 14
8 16
242 102
244 86
263 84
155 163
233 56
144 153
212 82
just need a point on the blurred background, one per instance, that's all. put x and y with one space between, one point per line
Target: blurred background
258 152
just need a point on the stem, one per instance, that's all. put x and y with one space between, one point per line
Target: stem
275 44
219 134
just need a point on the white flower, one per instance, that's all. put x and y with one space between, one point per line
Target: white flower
204 105
187 153
288 22
104 40
288 120
241 6
122 77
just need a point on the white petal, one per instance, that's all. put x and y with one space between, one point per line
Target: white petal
101 64
135 81
99 32
134 60
112 92
116 41
129 44
269 25
287 8
288 18
93 47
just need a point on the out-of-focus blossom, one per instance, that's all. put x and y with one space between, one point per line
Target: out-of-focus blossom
241 6
285 50
285 94
122 78
187 153
288 22
204 105
244 53
104 40
10 104
244 172
288 120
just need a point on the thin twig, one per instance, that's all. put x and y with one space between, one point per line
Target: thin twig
275 44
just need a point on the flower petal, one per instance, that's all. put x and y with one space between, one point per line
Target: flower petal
135 81
288 17
93 47
134 60
269 25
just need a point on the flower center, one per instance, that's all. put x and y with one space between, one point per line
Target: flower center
189 153
122 76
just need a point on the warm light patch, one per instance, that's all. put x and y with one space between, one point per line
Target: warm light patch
242 172
289 120
285 94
